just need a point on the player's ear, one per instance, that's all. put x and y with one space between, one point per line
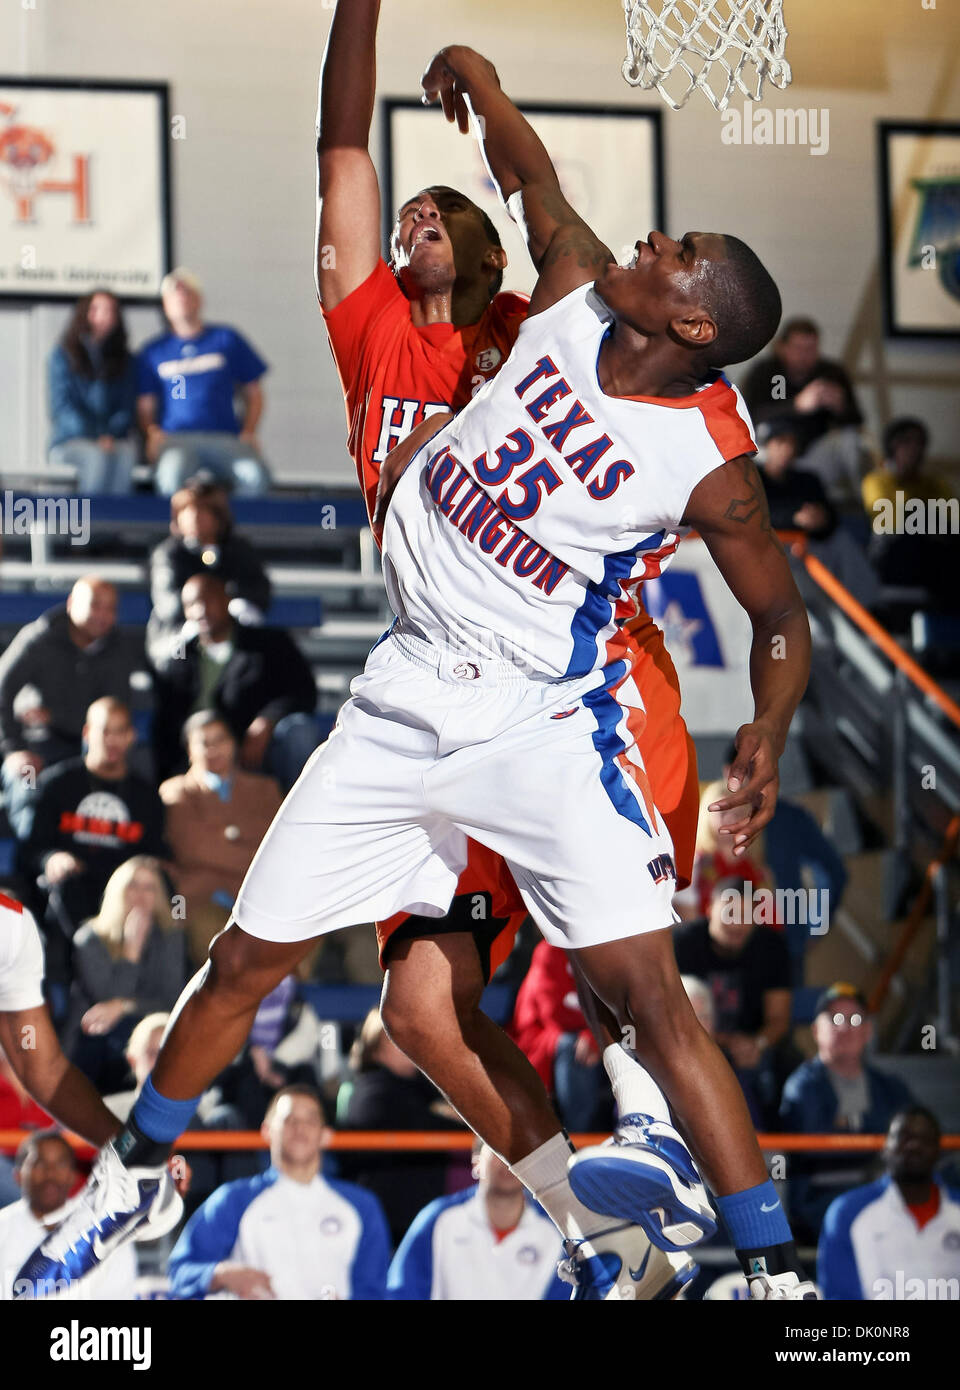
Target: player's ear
697 330
495 258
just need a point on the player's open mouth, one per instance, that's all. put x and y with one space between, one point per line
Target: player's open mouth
425 234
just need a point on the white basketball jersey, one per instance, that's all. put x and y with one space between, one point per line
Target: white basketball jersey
519 531
21 958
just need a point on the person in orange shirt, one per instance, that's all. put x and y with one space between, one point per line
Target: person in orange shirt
411 339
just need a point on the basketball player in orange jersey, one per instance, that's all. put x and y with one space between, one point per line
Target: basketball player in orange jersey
410 339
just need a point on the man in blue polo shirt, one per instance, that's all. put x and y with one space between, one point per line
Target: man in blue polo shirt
187 380
289 1233
489 1242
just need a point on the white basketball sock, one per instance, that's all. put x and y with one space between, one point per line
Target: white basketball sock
634 1089
544 1174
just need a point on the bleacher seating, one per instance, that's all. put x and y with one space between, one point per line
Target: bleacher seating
288 611
348 1003
151 512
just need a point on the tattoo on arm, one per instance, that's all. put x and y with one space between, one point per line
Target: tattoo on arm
751 501
590 255
572 236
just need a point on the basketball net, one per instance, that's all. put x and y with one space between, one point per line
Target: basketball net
712 46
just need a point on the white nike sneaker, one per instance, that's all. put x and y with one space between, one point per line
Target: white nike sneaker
645 1174
620 1265
789 1285
115 1205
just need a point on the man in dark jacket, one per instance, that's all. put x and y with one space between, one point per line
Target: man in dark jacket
255 677
796 497
201 541
836 1093
90 815
794 379
50 674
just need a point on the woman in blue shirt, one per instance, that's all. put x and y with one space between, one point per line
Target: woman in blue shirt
92 385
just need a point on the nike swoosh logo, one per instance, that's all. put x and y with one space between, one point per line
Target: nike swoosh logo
103 1248
766 1208
638 1273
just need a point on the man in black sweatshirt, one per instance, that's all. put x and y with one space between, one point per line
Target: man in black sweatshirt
256 678
50 674
90 815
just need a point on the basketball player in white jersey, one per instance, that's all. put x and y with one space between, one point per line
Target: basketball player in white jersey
27 1034
499 707
30 1044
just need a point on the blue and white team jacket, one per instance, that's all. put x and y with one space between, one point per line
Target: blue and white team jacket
450 1252
322 1239
870 1247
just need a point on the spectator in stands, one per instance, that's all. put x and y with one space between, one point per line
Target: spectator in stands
386 1091
488 1242
288 1233
714 859
47 1173
18 1110
701 997
898 1238
129 961
903 469
900 552
186 383
207 1170
800 857
747 969
836 1092
253 1078
549 1028
798 502
216 817
794 379
255 677
50 674
92 382
143 1047
201 541
90 815
795 496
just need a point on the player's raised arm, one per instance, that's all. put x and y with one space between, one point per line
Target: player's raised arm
348 195
729 509
564 250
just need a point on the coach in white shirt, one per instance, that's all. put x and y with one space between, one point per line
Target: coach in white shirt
898 1238
490 1242
288 1233
46 1170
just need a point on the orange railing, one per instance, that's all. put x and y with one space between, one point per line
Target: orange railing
430 1141
881 638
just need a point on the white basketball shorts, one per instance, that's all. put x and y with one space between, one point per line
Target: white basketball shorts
432 748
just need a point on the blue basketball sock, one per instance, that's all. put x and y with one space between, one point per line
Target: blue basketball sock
161 1119
755 1218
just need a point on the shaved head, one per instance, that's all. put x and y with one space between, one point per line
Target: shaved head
743 301
92 607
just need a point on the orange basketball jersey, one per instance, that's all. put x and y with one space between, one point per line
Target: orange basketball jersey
394 374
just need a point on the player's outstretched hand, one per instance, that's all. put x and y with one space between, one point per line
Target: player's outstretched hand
753 783
448 78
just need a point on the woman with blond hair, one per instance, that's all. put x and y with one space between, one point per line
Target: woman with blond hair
129 961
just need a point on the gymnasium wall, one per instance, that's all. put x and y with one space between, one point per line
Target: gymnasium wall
243 75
